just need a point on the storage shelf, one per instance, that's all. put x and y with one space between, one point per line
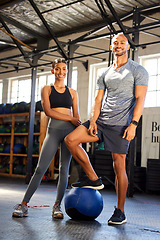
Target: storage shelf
18 114
5 154
25 134
18 155
18 134
12 118
5 134
12 175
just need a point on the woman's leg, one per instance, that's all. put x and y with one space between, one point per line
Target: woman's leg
64 163
73 142
48 151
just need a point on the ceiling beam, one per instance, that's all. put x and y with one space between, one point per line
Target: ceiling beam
99 58
44 51
112 10
90 55
151 34
102 24
52 34
150 7
7 43
105 16
25 55
97 27
20 26
143 45
128 31
79 39
62 6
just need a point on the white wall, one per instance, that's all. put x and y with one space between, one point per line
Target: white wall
150 135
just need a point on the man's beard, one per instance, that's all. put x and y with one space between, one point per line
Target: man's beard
120 53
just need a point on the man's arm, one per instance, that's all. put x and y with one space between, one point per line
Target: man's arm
95 112
140 94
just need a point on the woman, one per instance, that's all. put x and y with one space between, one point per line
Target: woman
57 101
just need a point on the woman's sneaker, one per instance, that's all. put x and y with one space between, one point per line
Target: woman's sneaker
117 218
87 183
57 212
20 210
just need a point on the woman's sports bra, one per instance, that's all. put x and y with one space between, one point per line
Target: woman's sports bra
60 99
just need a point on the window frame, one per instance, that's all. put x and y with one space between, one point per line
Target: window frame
153 92
93 79
1 91
38 85
93 75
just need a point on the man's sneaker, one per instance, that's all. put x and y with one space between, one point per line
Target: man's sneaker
87 183
57 212
117 218
20 210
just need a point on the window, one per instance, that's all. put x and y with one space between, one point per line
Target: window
95 71
20 89
152 65
41 81
1 89
49 79
74 78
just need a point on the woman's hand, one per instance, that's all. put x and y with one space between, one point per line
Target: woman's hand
75 121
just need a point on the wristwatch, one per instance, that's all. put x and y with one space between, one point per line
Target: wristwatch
134 122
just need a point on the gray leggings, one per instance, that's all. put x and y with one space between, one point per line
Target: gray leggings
56 132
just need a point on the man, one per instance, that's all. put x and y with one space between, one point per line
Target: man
117 109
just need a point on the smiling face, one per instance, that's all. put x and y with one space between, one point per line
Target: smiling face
60 71
119 45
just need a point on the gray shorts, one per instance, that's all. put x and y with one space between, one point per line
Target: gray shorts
112 137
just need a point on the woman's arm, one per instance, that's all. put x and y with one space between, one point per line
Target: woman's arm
75 107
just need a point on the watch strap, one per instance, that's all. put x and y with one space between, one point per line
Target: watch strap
134 122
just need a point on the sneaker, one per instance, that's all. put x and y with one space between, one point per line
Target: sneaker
117 218
87 183
20 210
57 212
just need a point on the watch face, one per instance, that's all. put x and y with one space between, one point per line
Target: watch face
134 122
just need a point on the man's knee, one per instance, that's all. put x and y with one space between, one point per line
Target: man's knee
118 157
118 161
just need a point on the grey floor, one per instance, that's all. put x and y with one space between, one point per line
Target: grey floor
142 211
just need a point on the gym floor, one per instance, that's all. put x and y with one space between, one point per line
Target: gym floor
142 211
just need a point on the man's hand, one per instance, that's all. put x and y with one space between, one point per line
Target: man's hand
93 129
130 132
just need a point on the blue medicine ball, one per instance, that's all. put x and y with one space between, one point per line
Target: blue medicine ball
6 148
2 108
7 108
83 203
19 148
